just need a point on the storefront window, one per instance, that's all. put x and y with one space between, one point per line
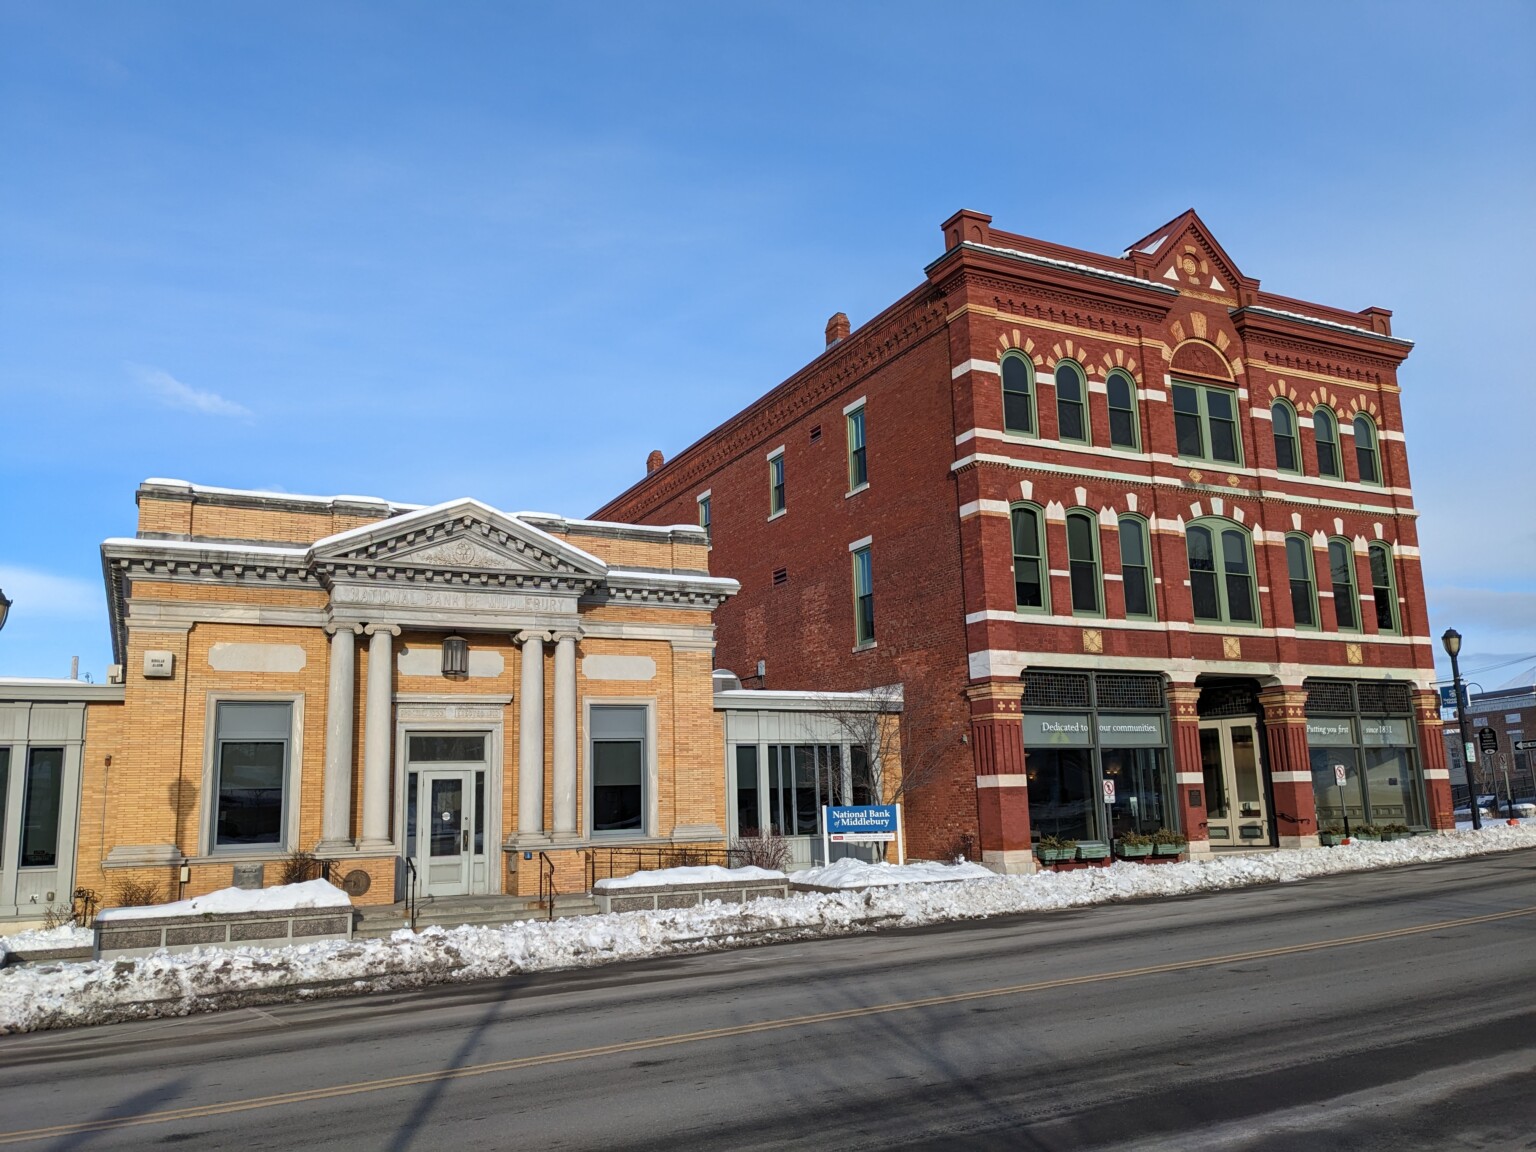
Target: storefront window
40 808
1060 792
1381 783
618 768
748 821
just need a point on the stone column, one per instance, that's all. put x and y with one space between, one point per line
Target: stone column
1290 765
530 736
340 715
1437 777
1188 771
378 737
565 734
1002 789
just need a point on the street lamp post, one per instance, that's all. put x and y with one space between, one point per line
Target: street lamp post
1452 642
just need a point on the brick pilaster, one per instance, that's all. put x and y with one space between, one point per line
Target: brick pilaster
1290 765
1002 789
1188 773
1437 777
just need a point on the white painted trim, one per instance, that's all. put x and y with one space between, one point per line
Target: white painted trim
960 370
850 409
704 495
1437 773
862 542
1189 777
1291 777
984 507
1003 780
779 451
1005 663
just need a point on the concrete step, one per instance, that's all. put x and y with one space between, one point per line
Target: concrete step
378 921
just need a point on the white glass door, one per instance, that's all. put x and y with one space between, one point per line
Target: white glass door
1236 810
446 821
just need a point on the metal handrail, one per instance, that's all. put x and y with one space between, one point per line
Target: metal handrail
604 863
410 891
547 882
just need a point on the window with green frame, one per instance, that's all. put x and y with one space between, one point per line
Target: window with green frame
1325 434
1071 403
1031 588
1205 423
1083 563
1018 394
863 598
1365 450
858 461
1298 563
1341 566
776 485
1383 588
1287 452
1136 567
1221 573
1120 393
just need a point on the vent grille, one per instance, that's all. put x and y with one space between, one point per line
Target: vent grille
1056 691
1228 700
1329 697
815 433
780 576
1118 692
1384 697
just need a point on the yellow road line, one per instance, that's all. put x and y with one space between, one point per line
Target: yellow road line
414 1079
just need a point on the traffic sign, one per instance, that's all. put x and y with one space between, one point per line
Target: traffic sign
1488 741
1109 791
1525 745
1338 774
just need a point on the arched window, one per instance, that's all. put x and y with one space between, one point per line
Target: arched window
1031 589
1136 566
1071 403
1298 562
1341 565
1325 431
1365 450
1083 561
1018 394
1383 588
1221 573
1122 411
1283 417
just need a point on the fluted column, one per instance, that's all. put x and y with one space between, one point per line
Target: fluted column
1188 768
1002 789
1290 764
565 734
378 736
530 736
340 716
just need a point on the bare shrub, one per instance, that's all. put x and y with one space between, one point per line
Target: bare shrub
758 851
962 847
131 893
58 915
299 866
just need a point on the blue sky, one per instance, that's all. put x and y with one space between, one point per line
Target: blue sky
422 251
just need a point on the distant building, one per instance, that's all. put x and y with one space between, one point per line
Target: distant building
1137 537
1511 713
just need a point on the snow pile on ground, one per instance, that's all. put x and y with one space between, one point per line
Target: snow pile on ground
60 995
703 874
47 939
851 873
278 898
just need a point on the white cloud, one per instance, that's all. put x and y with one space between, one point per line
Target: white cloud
175 394
46 594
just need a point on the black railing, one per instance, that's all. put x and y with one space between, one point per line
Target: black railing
606 863
547 891
410 891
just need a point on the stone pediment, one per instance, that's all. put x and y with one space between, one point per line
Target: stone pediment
1187 256
463 538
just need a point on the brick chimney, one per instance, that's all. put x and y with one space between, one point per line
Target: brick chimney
837 328
654 461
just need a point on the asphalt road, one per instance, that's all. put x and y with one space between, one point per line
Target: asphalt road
1380 1010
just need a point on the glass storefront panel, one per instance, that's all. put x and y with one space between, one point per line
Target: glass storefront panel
1061 792
1334 802
1390 784
748 819
1216 802
1143 799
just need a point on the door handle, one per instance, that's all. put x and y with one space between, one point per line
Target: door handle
464 840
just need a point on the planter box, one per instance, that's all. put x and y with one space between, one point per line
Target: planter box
1133 851
183 932
1330 839
1093 850
688 895
1167 849
1056 855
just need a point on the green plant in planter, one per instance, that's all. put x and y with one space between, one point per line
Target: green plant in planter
1135 844
1395 832
1054 850
1331 835
1367 832
1167 842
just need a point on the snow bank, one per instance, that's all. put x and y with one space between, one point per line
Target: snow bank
851 873
47 939
60 995
278 898
703 874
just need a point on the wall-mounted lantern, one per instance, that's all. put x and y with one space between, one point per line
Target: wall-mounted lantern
456 658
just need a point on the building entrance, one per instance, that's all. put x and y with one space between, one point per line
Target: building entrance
445 813
1237 812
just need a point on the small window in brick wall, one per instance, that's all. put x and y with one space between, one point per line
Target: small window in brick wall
816 434
780 576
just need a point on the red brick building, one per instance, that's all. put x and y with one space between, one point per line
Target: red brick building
1111 520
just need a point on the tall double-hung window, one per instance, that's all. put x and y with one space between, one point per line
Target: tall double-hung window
618 735
858 460
1120 392
863 597
1136 566
251 759
1287 454
1018 394
1341 566
1031 589
1205 422
1365 450
1298 563
1325 434
1083 562
776 483
1071 403
1383 588
1221 573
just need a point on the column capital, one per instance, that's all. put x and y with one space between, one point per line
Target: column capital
332 627
530 636
376 629
1183 699
566 634
1284 704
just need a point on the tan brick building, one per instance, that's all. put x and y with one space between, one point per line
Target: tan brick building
452 689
